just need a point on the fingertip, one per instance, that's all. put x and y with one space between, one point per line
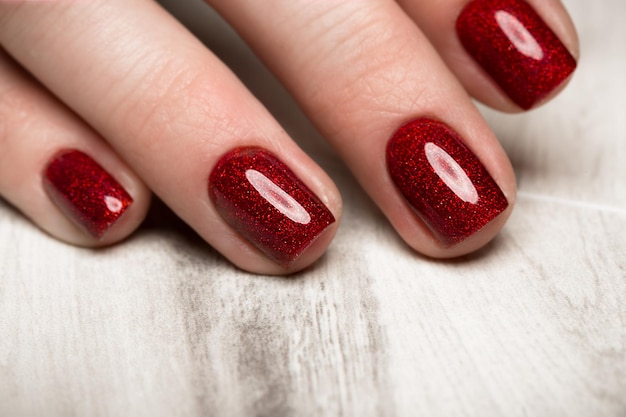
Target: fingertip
85 204
58 171
524 49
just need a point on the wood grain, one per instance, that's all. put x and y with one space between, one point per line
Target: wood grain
534 325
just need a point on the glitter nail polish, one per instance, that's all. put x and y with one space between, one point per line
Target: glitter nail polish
515 47
86 193
266 203
442 180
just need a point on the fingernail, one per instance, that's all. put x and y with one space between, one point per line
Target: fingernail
442 180
515 47
266 203
86 193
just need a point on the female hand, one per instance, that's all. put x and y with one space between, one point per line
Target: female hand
125 96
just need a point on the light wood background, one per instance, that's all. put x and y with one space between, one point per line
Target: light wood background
535 325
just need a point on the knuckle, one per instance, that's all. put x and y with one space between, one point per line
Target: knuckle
179 102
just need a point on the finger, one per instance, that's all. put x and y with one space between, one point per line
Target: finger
509 54
184 123
379 92
47 173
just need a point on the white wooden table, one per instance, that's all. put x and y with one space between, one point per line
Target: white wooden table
534 325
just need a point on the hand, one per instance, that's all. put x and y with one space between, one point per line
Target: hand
128 101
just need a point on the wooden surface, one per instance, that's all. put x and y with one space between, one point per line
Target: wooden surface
535 325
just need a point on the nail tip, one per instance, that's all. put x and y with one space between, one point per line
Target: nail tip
533 102
291 260
451 241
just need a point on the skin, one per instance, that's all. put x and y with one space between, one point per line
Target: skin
163 109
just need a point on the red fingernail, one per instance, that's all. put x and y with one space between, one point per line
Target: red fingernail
515 47
444 182
85 192
267 204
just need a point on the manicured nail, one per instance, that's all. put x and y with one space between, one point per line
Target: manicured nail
515 47
85 192
442 180
266 203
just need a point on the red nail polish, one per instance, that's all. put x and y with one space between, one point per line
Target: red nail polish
267 204
515 47
85 192
443 181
